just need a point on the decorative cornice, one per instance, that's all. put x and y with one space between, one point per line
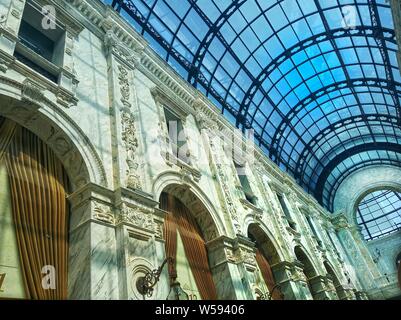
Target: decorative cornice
103 213
181 109
113 45
340 221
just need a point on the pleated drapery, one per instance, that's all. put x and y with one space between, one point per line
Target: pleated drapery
7 130
180 218
170 231
38 196
267 274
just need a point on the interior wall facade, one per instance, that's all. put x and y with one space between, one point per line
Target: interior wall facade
377 259
105 120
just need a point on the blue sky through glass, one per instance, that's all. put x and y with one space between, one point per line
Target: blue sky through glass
379 214
313 78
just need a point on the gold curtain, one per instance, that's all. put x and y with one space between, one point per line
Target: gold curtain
7 130
170 230
194 246
38 191
267 274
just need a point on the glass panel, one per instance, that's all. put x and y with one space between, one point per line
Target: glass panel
315 70
379 214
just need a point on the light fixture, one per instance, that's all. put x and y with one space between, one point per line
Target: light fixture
145 284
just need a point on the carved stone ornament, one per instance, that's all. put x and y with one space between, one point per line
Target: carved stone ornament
31 91
103 213
137 216
5 61
114 45
65 98
246 256
128 131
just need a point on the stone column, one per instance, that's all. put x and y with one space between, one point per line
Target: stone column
320 288
92 268
366 270
140 245
225 255
286 276
299 278
9 26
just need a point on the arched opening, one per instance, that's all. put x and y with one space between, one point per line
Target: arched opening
266 257
34 217
334 279
378 213
187 227
307 269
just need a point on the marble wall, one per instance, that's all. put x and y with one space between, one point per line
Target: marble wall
110 132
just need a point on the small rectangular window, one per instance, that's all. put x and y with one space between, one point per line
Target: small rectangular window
286 210
40 46
177 137
312 227
331 240
246 187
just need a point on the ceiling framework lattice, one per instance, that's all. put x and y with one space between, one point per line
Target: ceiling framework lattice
379 214
317 80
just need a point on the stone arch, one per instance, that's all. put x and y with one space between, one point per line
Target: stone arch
58 131
308 268
268 247
397 259
303 256
336 280
194 199
394 186
266 241
362 182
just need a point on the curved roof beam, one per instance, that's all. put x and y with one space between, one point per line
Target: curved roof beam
366 31
359 82
335 126
349 144
214 29
341 157
328 203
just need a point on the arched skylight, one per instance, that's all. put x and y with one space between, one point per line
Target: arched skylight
379 214
317 80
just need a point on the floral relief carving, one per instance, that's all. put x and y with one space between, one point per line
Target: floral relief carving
103 213
248 257
139 217
128 131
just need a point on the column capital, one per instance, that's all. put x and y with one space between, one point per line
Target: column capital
340 221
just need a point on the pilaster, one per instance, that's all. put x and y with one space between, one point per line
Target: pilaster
123 110
92 269
225 254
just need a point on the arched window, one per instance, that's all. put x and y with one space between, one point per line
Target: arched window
379 214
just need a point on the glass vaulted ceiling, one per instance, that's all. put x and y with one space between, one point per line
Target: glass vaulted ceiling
318 81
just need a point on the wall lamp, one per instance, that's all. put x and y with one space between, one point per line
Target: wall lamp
145 284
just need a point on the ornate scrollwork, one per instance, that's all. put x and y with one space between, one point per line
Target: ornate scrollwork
128 131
